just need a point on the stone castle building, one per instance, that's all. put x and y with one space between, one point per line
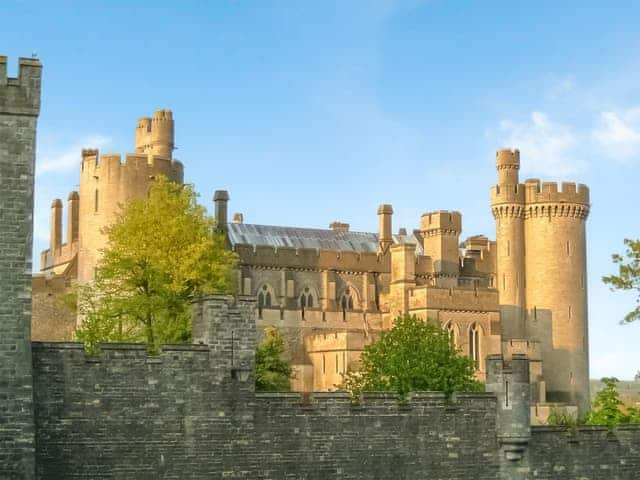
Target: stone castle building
331 292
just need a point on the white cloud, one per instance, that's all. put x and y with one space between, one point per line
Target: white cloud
547 147
60 159
618 133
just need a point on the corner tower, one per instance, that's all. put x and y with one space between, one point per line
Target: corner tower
541 274
19 110
107 183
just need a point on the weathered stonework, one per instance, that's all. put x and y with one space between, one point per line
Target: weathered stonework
191 412
19 109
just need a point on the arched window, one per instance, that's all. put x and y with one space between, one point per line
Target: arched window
265 297
474 343
452 331
346 300
306 298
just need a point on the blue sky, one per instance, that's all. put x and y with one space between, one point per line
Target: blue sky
310 112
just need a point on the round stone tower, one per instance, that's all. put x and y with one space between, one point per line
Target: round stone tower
106 183
507 205
541 274
556 293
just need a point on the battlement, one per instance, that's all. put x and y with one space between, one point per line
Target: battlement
21 95
552 192
311 258
501 194
110 165
508 158
441 221
454 299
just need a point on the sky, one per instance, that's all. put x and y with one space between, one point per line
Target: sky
311 112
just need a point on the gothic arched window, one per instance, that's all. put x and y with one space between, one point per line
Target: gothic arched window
453 334
346 300
306 299
264 297
474 343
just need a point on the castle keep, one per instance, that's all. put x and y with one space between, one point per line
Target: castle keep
331 292
191 411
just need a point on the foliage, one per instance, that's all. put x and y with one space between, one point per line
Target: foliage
412 356
628 277
272 372
162 252
560 416
607 408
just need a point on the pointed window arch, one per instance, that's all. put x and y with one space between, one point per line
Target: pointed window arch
452 330
266 297
474 344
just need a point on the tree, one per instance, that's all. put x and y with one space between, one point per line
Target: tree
605 409
272 372
628 277
162 252
413 356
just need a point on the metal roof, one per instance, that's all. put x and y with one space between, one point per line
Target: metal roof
294 237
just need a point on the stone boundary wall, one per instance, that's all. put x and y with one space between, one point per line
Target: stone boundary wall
124 414
586 453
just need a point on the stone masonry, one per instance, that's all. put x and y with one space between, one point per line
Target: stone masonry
19 109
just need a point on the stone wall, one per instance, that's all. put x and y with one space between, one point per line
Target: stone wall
19 108
191 412
586 453
123 414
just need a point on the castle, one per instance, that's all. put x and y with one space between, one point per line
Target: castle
191 411
331 292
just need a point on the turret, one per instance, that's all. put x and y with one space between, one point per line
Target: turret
507 205
441 232
556 281
162 133
143 135
509 381
56 226
508 164
385 239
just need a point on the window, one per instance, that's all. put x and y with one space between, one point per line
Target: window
451 330
337 363
324 364
306 299
346 300
95 207
264 297
474 343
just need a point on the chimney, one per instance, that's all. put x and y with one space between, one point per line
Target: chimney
56 226
238 218
339 227
220 199
385 240
73 205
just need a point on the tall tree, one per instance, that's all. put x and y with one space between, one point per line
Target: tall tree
272 372
413 356
162 252
628 277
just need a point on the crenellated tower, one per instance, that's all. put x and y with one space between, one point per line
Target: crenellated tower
541 274
107 183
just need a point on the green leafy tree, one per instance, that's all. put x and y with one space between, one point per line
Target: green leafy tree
605 409
272 372
628 277
162 252
412 356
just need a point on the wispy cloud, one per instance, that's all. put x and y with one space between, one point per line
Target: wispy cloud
618 133
547 145
65 158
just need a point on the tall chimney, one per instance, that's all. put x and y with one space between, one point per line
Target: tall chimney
385 240
56 226
73 205
220 199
